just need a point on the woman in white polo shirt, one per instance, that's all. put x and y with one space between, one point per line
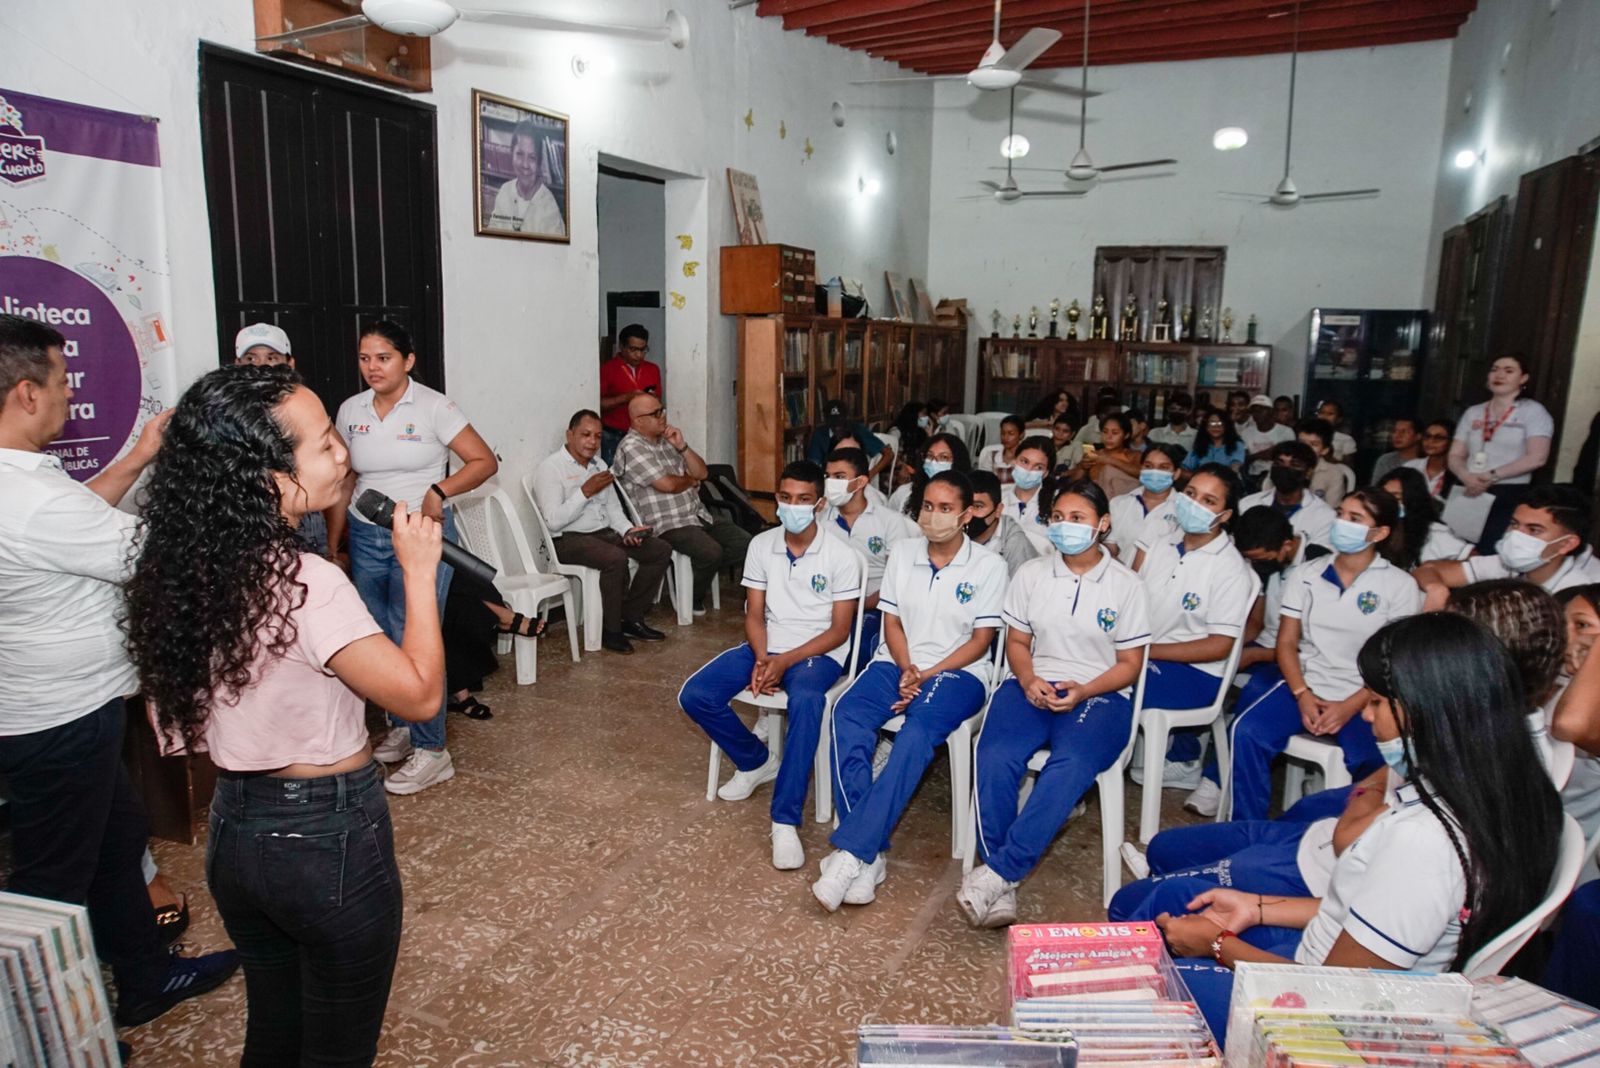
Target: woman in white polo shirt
1499 445
400 435
1078 623
1019 500
1149 512
1330 608
1465 849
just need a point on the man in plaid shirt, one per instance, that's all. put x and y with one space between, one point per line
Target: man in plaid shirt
662 475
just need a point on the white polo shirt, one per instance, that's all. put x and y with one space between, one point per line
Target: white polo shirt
1079 622
1527 419
1335 621
1134 521
1397 890
1024 512
1256 440
63 553
1577 569
1165 435
940 608
876 531
1198 593
405 452
1442 544
1312 519
1272 615
1435 484
1343 446
558 490
801 591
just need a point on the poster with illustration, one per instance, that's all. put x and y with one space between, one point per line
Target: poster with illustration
83 250
747 208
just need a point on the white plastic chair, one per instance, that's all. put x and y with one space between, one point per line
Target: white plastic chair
489 527
1324 754
1158 725
778 703
1113 800
585 579
681 586
1569 861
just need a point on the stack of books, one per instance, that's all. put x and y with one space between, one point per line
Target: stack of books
1548 1028
53 1007
1308 1039
928 1046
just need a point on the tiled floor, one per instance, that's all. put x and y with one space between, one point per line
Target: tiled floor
573 899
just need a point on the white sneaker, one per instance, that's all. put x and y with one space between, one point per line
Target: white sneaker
425 768
1077 810
744 783
1003 913
880 756
864 888
395 747
763 728
839 870
787 852
1135 861
980 889
1181 774
1206 799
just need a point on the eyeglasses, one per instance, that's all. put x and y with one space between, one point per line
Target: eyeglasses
652 414
1436 437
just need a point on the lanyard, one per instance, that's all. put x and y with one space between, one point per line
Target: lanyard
1490 428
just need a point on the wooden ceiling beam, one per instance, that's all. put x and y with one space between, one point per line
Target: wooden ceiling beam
827 12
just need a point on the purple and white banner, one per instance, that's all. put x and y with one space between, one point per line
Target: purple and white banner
83 248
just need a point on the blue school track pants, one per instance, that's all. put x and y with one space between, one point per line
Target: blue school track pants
1573 970
705 698
1258 857
1262 675
1268 717
1083 741
1212 985
869 810
1169 684
871 634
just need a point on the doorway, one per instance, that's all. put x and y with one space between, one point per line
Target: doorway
632 212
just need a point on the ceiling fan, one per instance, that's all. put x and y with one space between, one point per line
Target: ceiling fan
1082 168
1007 191
426 18
1285 194
1000 67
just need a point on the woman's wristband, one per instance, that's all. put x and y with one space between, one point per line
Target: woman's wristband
444 498
1296 693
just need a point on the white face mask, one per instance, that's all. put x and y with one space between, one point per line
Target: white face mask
837 491
1521 552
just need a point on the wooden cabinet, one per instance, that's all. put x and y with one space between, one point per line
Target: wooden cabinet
791 367
768 280
362 51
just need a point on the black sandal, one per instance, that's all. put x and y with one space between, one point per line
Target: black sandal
172 920
519 626
471 707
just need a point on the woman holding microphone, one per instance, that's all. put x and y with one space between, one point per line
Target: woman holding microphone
400 435
262 653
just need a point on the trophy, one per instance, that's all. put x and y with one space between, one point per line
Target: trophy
1129 327
1074 313
1016 326
1161 329
1204 333
994 319
1187 319
1099 321
1055 310
1250 329
1033 321
1227 326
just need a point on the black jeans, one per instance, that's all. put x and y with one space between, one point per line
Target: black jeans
78 831
304 876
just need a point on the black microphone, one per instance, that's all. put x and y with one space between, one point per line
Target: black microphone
375 507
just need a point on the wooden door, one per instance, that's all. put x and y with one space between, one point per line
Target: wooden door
1471 264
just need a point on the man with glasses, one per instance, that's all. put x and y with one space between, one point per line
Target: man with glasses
662 475
622 378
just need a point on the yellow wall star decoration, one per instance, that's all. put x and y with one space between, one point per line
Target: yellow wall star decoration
783 130
686 241
689 268
809 149
678 300
750 119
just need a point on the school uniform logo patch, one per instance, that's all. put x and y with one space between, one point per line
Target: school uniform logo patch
819 583
1191 601
1367 602
360 428
875 545
965 591
1107 618
410 433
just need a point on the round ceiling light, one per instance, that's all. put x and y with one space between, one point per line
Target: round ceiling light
1229 138
1466 158
1014 146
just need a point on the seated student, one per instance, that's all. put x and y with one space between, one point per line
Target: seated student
1200 591
998 458
1020 500
991 528
1405 437
1079 623
1426 538
1068 452
1138 429
1178 430
1149 512
1260 433
1434 463
1341 446
1545 544
840 429
1283 409
1330 479
799 612
1106 403
1216 443
1466 847
941 603
1330 607
871 526
1290 495
1114 466
1571 969
941 452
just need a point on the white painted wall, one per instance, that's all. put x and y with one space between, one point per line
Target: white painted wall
632 220
1364 117
681 111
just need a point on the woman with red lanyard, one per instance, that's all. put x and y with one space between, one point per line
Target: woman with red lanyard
1434 463
1500 444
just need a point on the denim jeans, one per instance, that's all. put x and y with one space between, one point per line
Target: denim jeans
304 876
381 583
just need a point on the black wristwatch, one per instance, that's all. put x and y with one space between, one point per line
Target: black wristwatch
444 498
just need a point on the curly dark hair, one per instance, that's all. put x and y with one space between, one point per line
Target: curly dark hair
214 579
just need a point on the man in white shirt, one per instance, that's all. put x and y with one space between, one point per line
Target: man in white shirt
1178 430
1545 545
870 525
585 517
1260 432
78 827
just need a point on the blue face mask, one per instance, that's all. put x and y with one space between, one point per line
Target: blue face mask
1071 538
796 517
1394 755
1194 517
936 467
1024 478
1348 537
1155 481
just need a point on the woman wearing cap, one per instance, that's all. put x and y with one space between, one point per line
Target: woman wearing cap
261 345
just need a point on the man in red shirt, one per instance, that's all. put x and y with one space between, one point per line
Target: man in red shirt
622 378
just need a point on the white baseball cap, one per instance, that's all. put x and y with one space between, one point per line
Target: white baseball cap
1260 400
260 334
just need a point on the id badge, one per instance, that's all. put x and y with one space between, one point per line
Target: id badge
1479 463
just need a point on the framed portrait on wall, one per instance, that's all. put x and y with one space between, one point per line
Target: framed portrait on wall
752 224
519 165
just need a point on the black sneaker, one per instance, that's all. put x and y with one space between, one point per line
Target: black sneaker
186 978
642 632
699 606
615 642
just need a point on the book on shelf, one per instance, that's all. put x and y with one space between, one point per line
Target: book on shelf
794 403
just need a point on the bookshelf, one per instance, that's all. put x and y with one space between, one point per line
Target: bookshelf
791 367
